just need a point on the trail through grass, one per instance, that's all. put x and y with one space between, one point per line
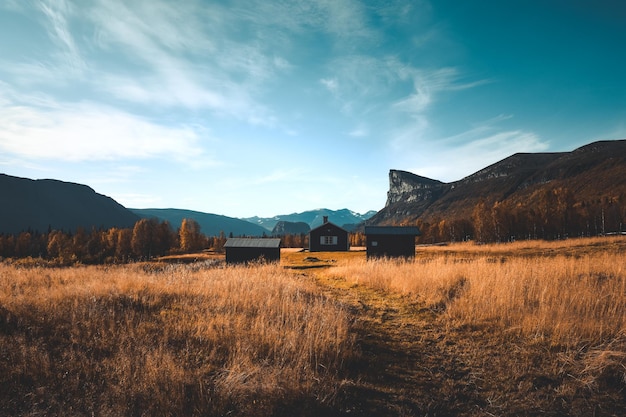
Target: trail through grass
420 356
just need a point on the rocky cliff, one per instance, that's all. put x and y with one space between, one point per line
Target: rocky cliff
591 172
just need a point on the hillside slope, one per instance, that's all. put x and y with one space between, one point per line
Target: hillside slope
210 224
39 205
589 174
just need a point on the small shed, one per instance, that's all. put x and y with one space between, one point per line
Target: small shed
328 237
391 241
242 250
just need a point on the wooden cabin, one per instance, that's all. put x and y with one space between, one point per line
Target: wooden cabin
243 250
391 241
328 237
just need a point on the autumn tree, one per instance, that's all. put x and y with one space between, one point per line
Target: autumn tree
60 247
22 244
123 245
190 236
481 216
144 241
219 242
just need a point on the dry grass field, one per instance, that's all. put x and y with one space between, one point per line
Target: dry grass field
529 328
167 340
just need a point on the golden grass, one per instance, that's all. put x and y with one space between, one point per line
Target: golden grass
204 339
166 340
567 296
567 300
576 246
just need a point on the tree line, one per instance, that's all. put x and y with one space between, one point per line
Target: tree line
548 214
148 238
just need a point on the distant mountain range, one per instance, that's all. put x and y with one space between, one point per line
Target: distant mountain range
591 173
344 218
40 205
210 224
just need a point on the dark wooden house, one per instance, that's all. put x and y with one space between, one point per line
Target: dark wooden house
328 237
391 241
242 250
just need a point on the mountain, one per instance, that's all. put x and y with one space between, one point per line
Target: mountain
39 205
344 218
590 174
290 228
210 224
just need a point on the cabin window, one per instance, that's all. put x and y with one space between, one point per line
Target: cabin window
374 243
328 240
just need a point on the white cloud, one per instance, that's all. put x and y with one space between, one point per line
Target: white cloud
56 12
331 84
500 145
427 84
88 132
453 158
185 56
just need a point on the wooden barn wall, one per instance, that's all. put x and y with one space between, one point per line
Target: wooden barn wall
390 246
242 255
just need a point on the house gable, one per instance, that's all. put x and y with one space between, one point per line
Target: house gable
328 237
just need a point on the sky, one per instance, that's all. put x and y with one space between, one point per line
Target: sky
258 108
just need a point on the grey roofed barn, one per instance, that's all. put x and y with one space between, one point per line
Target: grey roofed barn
242 250
243 242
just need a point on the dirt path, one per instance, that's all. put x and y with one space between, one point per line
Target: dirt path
413 363
405 368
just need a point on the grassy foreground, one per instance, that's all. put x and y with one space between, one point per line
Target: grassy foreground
531 328
167 340
528 328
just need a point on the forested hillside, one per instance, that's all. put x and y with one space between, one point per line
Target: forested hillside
525 196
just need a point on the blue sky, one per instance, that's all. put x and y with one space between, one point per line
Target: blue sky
252 107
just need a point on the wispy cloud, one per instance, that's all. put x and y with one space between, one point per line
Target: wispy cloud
331 84
185 57
87 131
57 13
427 84
455 157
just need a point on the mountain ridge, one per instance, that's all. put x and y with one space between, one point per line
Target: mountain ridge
210 224
40 205
343 217
591 172
43 204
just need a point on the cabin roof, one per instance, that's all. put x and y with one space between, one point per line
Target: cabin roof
392 230
244 242
326 225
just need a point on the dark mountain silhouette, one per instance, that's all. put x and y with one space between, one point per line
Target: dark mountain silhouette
290 228
210 224
40 205
590 173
